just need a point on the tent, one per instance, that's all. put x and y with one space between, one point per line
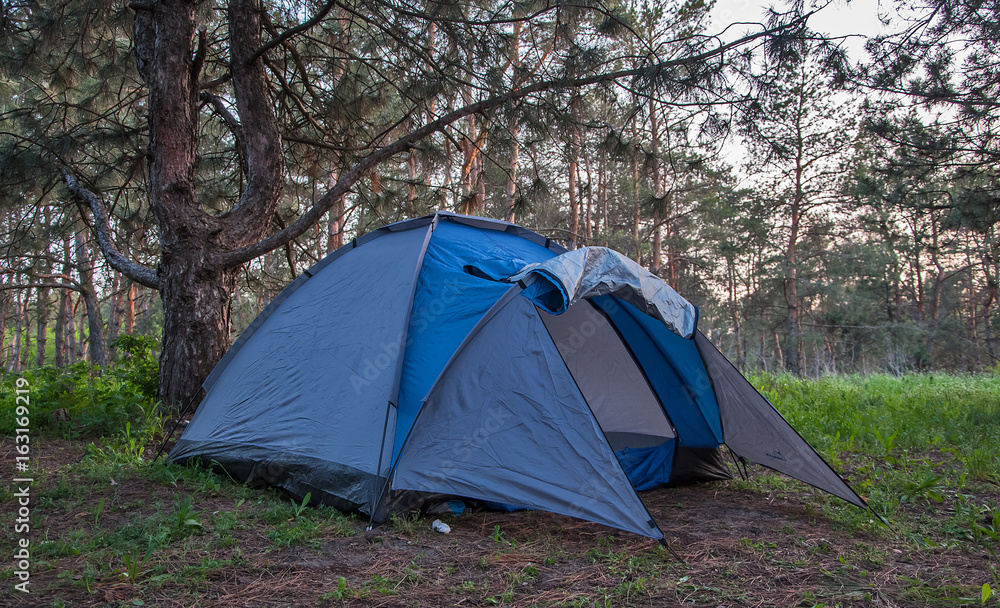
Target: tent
470 357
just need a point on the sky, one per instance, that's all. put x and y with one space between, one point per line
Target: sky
857 20
839 18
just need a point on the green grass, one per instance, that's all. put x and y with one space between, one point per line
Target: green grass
900 427
883 415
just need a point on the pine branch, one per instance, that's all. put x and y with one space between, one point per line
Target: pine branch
404 143
40 286
323 12
133 270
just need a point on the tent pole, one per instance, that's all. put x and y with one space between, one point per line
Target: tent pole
394 392
377 499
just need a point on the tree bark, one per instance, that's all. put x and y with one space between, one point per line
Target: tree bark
515 146
14 363
194 282
574 161
4 305
72 355
26 328
98 346
116 311
42 324
654 126
130 309
60 332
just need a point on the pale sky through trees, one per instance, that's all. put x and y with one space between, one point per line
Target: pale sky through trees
840 18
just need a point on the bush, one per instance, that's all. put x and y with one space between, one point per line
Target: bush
97 402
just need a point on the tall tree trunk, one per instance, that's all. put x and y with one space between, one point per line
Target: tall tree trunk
574 159
14 364
60 331
411 185
194 281
654 126
65 311
335 221
588 217
793 345
602 196
130 308
71 335
42 322
734 313
4 312
791 356
636 205
510 193
116 311
98 346
26 325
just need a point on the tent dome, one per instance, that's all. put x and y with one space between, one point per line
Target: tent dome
466 356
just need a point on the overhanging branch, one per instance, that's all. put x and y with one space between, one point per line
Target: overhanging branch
323 12
133 270
404 143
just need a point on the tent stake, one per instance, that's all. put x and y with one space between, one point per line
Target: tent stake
666 545
741 473
180 417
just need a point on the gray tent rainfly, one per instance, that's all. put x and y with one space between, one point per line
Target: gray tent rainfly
464 356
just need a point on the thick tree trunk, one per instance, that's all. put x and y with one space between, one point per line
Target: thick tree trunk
195 286
197 314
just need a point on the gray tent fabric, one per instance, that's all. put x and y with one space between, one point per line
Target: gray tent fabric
500 439
589 272
752 428
351 353
609 378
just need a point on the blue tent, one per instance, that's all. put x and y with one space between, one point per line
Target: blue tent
465 356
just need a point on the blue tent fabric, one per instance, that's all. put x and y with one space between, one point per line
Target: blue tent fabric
648 467
674 379
423 358
450 300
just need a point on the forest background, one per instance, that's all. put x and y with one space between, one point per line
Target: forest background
167 167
